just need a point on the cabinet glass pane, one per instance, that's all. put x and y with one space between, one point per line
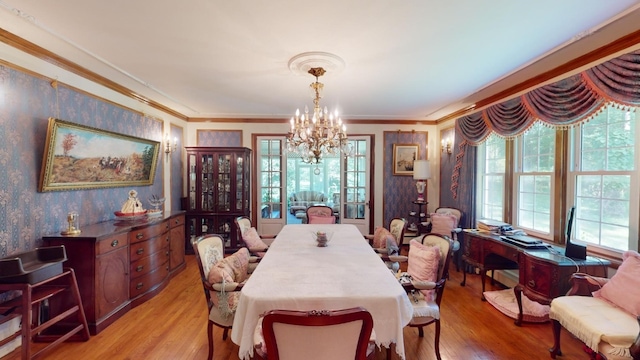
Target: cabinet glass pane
192 181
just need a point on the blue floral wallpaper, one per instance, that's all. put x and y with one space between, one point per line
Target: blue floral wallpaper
400 190
177 180
26 103
220 138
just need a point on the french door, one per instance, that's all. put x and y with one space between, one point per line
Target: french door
343 180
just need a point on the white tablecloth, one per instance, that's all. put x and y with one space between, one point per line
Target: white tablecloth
295 274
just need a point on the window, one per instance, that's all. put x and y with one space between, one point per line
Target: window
491 175
534 174
605 180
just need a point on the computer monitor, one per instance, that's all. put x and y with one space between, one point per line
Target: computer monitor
572 250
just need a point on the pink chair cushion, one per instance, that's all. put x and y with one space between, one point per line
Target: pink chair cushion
423 264
623 289
232 268
316 219
380 237
443 224
253 240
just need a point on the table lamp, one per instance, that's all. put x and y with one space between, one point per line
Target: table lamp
421 172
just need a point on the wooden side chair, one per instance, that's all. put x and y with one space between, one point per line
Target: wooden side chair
315 335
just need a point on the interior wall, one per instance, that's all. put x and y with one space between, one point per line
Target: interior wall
27 100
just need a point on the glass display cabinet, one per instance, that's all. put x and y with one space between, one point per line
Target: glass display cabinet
218 189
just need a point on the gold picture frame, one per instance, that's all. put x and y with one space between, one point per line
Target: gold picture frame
403 157
81 157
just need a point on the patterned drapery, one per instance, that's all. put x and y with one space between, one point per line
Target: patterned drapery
560 104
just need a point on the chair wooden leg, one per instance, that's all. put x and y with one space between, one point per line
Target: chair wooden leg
225 333
210 335
437 340
555 350
420 332
389 352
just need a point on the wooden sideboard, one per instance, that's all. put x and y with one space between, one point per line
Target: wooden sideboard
543 273
121 264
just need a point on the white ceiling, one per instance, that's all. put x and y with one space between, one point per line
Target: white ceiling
409 59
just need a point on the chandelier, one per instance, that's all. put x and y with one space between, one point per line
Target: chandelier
313 135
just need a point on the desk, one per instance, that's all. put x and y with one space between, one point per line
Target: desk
295 274
543 274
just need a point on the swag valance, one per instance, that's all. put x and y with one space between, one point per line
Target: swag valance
563 103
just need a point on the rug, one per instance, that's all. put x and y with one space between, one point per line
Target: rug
505 302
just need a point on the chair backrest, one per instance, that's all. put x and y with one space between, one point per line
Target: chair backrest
320 214
317 334
397 227
209 249
452 211
445 252
243 223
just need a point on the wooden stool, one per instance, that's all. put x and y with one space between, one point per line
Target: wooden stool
63 296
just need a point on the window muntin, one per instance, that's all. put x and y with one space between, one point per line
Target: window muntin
491 175
535 163
604 175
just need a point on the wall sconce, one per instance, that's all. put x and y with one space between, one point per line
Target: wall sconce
446 145
168 146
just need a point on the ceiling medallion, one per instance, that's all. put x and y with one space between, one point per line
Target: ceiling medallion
302 63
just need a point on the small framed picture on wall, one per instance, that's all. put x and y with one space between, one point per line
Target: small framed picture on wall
403 157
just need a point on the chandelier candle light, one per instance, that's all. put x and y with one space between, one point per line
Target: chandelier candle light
313 135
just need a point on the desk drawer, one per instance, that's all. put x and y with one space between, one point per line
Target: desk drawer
148 232
148 263
491 247
146 248
147 282
111 243
177 221
539 277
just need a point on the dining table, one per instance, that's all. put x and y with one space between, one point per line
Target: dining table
297 274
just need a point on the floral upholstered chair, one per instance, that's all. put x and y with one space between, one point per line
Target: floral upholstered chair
426 276
222 279
248 235
387 242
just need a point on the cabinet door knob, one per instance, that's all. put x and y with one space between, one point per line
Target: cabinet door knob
139 268
139 286
139 236
140 251
114 243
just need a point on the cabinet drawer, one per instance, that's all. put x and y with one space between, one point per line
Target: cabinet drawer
147 282
111 243
148 232
177 221
149 263
145 248
538 277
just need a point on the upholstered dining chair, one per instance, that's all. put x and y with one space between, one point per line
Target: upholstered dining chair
446 221
247 234
316 334
222 279
425 279
320 214
386 242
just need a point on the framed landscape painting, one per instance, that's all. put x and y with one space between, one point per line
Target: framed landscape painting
403 157
81 157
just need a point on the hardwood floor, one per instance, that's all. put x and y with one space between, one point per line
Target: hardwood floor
172 326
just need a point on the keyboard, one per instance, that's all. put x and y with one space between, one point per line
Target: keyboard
526 242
